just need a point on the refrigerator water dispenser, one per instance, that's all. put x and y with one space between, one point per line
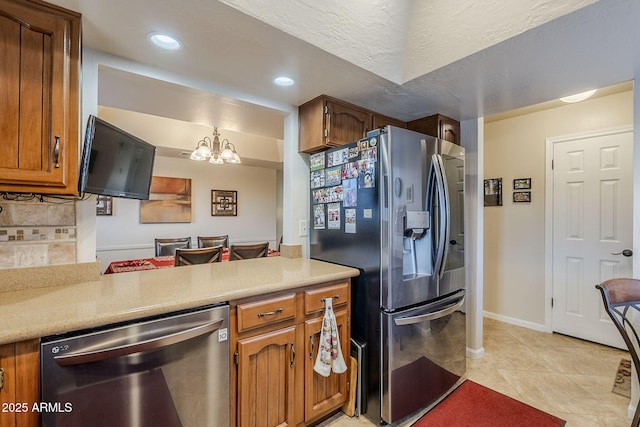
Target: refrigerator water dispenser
415 248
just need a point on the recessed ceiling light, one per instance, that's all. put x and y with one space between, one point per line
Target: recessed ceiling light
578 96
164 41
283 81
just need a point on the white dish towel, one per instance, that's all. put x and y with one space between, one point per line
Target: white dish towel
329 352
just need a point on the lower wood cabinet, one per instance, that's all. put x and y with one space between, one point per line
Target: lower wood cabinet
266 379
20 388
323 394
273 353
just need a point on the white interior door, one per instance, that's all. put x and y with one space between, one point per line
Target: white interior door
592 221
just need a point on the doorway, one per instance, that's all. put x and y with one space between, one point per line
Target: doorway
589 225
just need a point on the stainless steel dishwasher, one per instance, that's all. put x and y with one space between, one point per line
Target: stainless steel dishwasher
166 371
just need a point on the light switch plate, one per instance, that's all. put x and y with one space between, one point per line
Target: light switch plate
304 228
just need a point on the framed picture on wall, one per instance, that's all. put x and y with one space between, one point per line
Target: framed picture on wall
169 201
104 205
493 192
522 197
224 203
522 184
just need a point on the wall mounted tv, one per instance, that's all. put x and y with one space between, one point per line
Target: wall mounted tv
114 162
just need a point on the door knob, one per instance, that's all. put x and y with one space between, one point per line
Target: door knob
626 252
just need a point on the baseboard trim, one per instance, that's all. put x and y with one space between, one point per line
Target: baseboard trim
475 353
518 322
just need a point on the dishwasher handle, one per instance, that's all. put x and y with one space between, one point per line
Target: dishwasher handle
410 320
137 347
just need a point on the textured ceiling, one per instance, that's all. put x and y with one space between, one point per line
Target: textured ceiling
401 39
405 59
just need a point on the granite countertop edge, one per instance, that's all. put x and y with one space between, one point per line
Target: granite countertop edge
35 313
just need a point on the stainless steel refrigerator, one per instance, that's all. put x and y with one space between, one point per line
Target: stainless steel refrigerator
392 205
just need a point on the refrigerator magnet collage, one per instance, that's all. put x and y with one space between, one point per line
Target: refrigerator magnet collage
336 176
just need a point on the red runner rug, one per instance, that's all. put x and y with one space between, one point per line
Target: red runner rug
474 405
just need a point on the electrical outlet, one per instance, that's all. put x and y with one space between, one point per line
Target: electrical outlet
304 228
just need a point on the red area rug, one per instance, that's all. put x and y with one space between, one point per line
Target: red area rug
474 405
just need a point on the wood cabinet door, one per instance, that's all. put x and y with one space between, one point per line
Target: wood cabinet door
449 130
380 121
266 379
324 394
345 124
20 364
39 112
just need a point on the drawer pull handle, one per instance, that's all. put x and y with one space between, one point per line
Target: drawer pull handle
1 378
271 313
333 297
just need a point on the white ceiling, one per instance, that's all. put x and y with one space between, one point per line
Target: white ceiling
406 59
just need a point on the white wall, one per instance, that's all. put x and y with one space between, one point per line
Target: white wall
122 236
514 245
295 173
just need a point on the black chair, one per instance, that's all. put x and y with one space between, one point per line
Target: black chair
205 242
198 256
621 299
169 246
238 252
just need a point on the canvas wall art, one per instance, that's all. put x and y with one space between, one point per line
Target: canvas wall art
169 201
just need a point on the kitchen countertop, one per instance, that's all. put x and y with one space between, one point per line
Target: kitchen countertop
37 312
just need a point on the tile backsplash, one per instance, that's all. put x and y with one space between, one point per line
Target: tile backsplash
37 233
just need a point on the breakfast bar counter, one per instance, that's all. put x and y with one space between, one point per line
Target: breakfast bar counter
42 309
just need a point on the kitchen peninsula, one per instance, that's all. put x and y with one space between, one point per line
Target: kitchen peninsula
46 310
36 305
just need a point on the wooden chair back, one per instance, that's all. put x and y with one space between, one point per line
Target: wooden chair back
208 241
169 246
621 299
198 256
238 252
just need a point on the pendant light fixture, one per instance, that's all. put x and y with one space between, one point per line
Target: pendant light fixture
218 152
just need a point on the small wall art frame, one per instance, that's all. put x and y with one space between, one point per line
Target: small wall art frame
522 184
493 192
224 203
104 205
522 197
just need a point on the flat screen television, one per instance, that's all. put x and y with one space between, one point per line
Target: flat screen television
114 162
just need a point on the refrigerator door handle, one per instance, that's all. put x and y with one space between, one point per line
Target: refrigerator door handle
437 188
444 214
411 320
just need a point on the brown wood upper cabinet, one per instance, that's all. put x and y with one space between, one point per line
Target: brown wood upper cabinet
40 68
327 122
380 121
439 126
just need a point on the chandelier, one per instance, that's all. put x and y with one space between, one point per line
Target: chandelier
216 151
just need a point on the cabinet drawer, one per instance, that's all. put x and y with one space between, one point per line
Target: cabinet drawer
266 312
314 299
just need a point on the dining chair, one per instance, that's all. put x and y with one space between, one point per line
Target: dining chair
205 242
198 256
621 299
169 246
237 252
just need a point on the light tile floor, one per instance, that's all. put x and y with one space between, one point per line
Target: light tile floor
564 376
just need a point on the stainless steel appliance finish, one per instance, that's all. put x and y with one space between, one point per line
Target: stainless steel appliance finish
166 371
409 246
